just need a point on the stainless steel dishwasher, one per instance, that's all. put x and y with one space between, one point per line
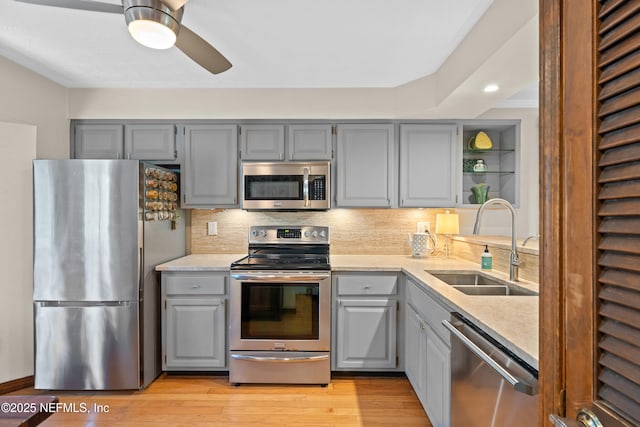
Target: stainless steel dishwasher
490 387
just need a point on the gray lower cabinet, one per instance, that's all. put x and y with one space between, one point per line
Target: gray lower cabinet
365 326
210 174
365 165
262 142
428 354
98 141
428 165
194 321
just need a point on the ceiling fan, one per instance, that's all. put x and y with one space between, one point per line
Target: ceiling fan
155 24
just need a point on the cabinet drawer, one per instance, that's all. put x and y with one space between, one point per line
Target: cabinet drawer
429 309
367 285
196 283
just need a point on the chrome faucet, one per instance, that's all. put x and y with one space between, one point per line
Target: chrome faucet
515 259
533 236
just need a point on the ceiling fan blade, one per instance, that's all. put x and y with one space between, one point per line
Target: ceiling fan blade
196 48
93 6
174 4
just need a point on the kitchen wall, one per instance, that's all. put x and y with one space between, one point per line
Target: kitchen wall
33 123
29 98
17 151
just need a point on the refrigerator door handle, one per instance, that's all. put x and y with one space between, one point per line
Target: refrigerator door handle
140 273
83 303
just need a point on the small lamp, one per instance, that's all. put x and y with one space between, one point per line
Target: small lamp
447 224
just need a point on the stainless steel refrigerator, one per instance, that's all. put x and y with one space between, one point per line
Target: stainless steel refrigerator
100 227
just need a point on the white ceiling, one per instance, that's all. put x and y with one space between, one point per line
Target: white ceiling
272 44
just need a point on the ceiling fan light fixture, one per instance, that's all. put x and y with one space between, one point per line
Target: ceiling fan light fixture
152 24
152 34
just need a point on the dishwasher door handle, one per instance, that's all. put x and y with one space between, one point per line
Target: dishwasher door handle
517 383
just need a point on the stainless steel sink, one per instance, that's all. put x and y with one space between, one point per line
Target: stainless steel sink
477 283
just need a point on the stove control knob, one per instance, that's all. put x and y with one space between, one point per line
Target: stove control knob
263 233
314 234
323 234
254 233
306 233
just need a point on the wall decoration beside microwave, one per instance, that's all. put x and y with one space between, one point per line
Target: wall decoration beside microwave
286 186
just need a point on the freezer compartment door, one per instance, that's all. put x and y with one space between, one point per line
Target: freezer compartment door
85 346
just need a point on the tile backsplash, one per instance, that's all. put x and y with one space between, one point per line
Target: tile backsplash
353 231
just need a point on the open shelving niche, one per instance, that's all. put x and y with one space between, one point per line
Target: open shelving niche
502 161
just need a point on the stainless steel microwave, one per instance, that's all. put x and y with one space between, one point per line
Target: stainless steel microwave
286 185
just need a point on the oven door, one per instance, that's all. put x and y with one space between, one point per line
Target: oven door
285 311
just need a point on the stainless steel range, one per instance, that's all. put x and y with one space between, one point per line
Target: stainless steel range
281 307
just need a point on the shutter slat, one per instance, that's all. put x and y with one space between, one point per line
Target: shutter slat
622 367
628 245
620 120
626 171
620 138
629 64
621 385
618 51
621 314
621 332
627 99
625 29
620 155
622 403
617 18
620 190
624 351
609 7
626 207
620 85
624 297
621 262
620 278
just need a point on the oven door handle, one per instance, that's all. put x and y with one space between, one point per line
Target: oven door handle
305 187
278 278
278 359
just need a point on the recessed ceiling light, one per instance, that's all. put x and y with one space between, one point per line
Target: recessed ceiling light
491 88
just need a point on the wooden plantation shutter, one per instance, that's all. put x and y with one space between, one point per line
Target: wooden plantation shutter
619 212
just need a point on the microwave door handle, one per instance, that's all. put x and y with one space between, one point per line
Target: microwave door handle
305 187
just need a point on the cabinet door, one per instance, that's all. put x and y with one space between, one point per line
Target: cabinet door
210 166
195 333
262 142
415 364
366 333
98 142
438 380
150 142
365 161
310 142
427 165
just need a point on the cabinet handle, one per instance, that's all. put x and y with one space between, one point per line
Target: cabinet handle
366 287
195 287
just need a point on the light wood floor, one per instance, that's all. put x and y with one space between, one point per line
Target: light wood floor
211 401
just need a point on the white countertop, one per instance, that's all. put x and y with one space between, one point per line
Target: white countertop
512 320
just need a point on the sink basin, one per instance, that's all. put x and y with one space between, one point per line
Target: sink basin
476 283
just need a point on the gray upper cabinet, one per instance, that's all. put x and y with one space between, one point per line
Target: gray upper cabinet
210 175
427 165
365 165
150 142
262 142
98 141
310 142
